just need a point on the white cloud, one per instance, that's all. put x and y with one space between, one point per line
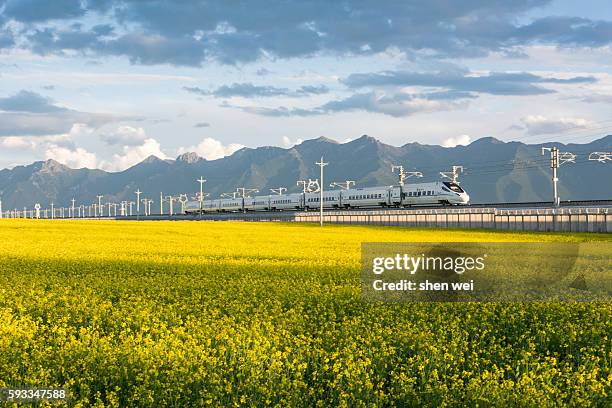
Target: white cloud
288 143
540 125
57 147
125 136
17 142
75 158
463 140
132 155
212 149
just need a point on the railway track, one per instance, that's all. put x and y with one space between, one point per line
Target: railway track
290 213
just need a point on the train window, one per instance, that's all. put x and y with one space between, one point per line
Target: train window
453 186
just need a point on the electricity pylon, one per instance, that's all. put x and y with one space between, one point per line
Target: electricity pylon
557 159
453 175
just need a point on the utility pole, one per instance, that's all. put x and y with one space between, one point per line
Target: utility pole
161 203
345 185
100 204
321 164
453 174
244 192
183 198
147 203
73 201
138 193
201 181
279 190
52 211
403 175
170 199
304 184
0 208
557 159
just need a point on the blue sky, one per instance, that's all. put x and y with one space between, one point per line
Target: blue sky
105 83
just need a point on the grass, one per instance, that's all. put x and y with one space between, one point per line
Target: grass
230 313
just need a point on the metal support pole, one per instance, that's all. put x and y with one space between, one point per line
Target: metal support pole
201 181
321 164
138 192
100 205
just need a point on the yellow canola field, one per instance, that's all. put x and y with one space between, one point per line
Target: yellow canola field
269 314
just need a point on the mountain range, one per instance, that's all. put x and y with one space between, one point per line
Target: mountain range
495 171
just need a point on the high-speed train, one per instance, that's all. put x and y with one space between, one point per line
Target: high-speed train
435 193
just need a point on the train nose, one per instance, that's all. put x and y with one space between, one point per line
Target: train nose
465 198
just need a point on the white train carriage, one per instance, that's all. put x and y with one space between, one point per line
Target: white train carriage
257 203
210 205
230 204
331 199
434 193
286 202
369 197
192 207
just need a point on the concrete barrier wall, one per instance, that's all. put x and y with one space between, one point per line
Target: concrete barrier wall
540 219
559 220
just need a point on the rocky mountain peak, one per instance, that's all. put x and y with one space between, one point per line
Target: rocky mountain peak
52 166
189 158
151 159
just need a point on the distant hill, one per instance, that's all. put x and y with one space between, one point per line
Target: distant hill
496 171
